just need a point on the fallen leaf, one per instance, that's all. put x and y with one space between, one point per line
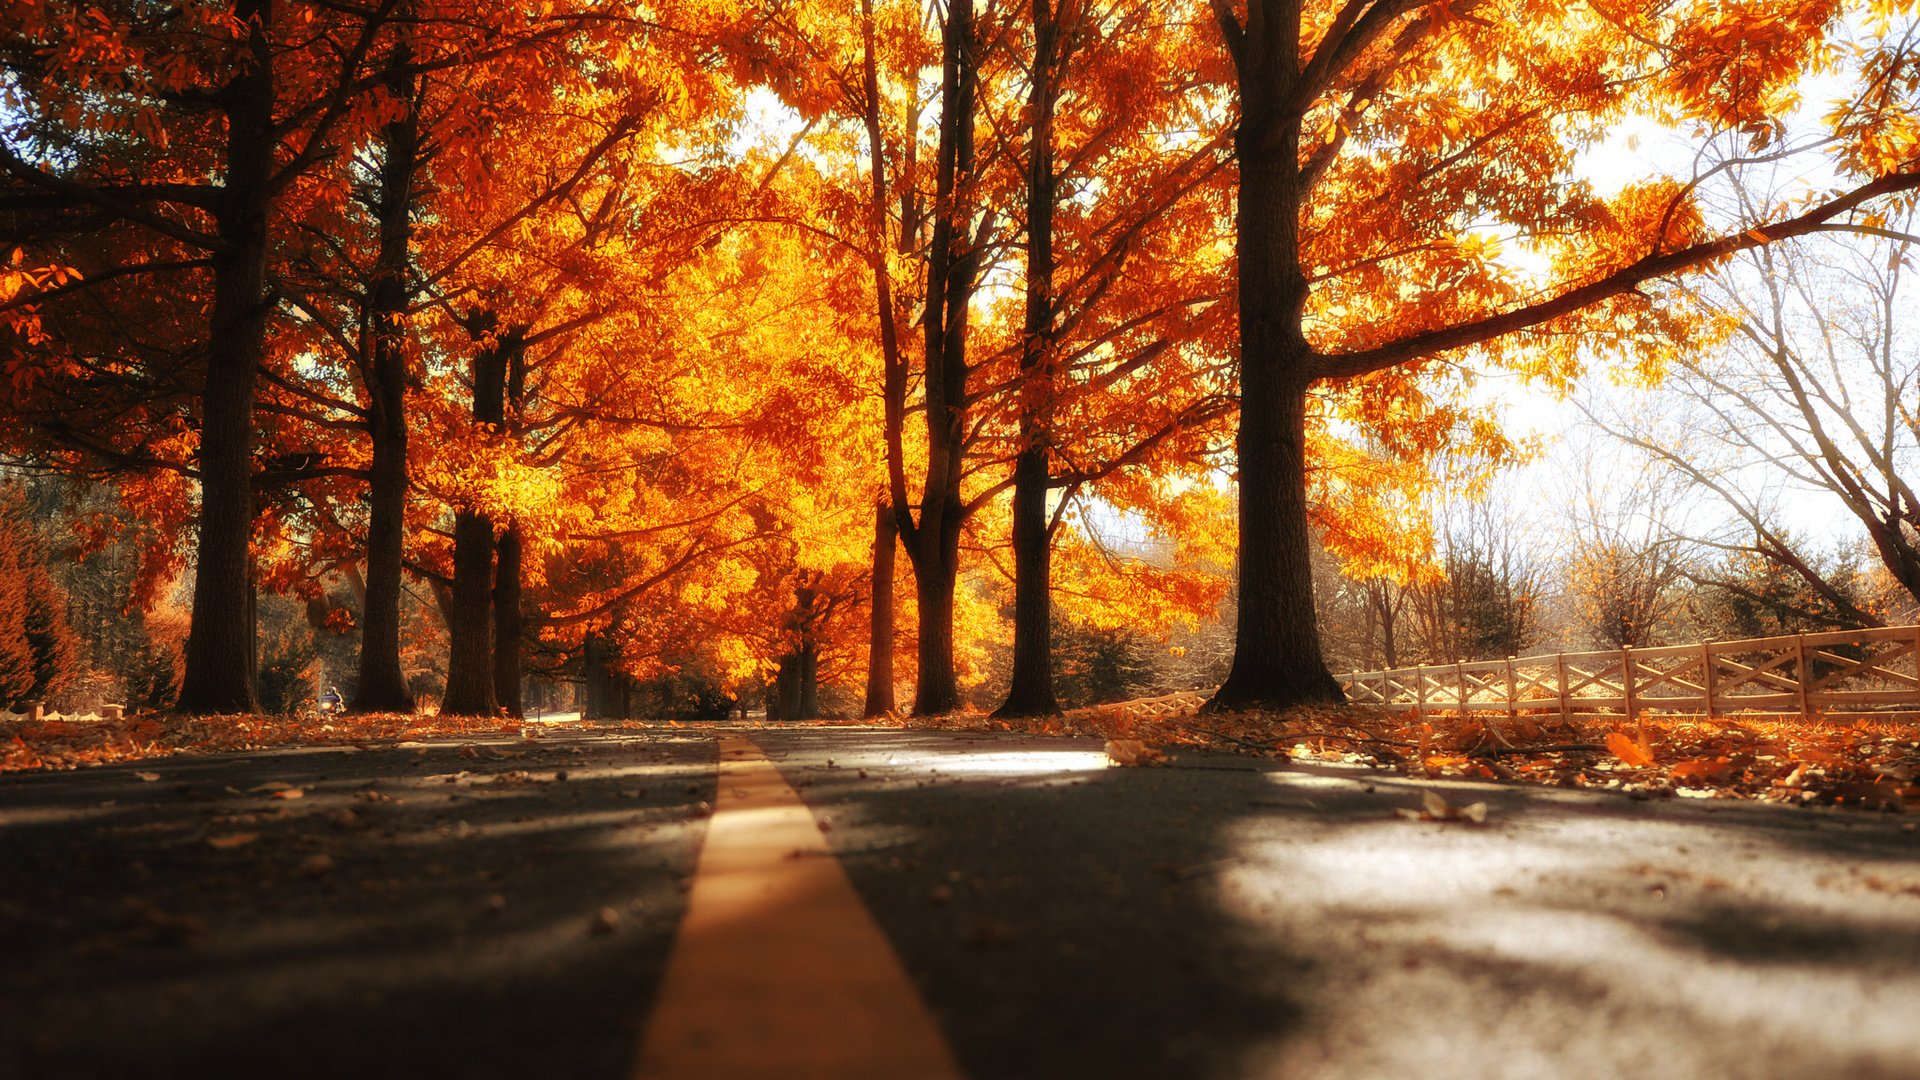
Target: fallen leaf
289 793
148 777
1436 808
1628 751
605 921
232 840
1707 769
1133 752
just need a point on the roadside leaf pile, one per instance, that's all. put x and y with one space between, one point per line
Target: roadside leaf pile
1869 765
69 744
1862 764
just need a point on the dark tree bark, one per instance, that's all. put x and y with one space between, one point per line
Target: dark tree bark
470 630
509 617
382 685
880 624
220 641
605 696
938 690
1031 690
796 687
933 542
1277 656
509 622
470 661
797 684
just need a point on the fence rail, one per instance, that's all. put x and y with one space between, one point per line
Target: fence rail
1842 673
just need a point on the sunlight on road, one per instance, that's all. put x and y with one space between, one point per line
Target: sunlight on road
1023 763
1556 932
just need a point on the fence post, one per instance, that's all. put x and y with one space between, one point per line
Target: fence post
1513 692
1626 679
1560 661
1706 677
1800 670
1420 693
1460 676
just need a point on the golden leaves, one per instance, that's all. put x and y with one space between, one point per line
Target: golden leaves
1628 750
1134 752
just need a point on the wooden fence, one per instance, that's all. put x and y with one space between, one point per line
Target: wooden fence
1844 674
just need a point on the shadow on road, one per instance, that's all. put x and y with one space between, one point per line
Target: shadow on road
417 911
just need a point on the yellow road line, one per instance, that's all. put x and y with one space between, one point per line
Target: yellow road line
778 968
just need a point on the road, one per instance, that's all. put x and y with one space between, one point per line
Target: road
511 908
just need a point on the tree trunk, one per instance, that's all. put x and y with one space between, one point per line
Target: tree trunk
1276 660
597 674
1031 690
809 704
796 686
382 685
220 642
470 632
881 619
470 661
509 622
952 263
934 577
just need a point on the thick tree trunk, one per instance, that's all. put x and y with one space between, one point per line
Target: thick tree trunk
934 577
509 622
470 657
220 640
382 685
880 622
1031 690
809 703
796 686
951 269
1277 660
597 674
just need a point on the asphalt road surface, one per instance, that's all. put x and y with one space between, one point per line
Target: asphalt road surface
818 901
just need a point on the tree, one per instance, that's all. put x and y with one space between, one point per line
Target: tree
1813 392
185 95
1377 142
39 654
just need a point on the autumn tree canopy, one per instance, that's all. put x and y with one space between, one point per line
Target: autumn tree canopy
641 338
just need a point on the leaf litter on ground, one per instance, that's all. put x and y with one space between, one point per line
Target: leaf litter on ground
1868 764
